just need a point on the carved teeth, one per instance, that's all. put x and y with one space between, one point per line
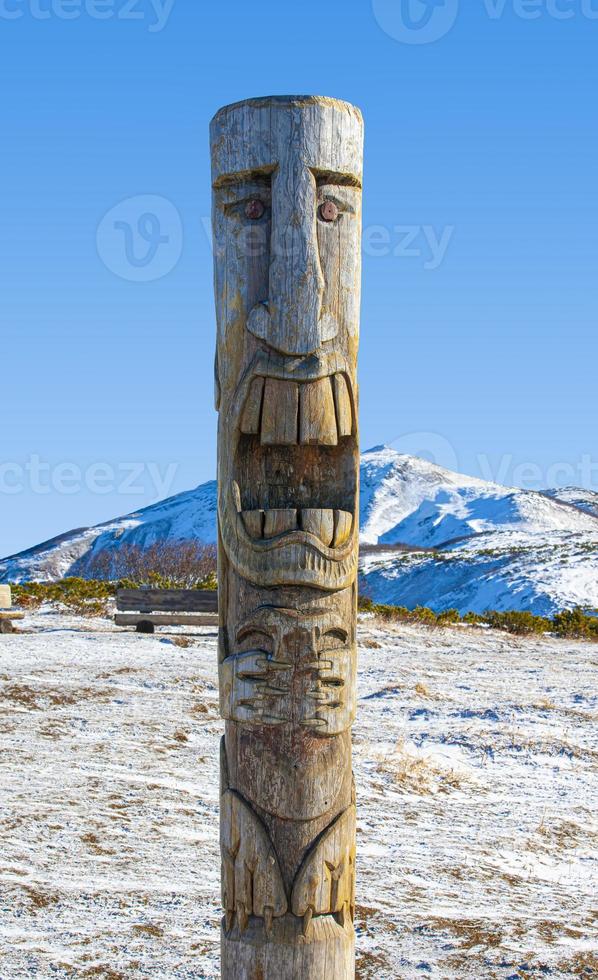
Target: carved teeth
268 918
279 413
236 495
242 916
317 415
284 413
252 412
279 522
320 523
331 527
343 524
254 523
344 410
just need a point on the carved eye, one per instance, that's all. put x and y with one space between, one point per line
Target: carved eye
255 639
254 209
328 211
335 639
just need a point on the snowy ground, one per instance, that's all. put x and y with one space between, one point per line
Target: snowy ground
475 762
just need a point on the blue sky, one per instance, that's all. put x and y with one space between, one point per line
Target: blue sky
479 342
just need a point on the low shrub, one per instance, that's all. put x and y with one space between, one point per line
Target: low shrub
574 623
77 595
519 623
162 565
570 624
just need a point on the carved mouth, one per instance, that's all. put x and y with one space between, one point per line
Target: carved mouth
289 488
295 461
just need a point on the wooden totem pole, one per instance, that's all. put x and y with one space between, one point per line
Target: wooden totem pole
287 227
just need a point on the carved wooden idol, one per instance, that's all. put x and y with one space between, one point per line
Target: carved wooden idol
287 225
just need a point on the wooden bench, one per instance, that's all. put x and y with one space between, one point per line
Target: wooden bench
147 608
7 613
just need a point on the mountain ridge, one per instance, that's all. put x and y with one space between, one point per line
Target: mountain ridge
464 542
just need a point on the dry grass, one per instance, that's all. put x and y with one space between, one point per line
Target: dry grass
563 835
38 898
581 965
21 694
544 704
416 772
95 845
369 965
105 972
148 929
424 692
46 697
183 641
470 933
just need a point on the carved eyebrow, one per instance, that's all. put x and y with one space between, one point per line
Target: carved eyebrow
264 174
333 177
258 175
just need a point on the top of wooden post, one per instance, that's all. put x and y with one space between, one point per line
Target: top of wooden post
285 101
252 136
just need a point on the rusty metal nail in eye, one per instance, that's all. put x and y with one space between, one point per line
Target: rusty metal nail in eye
254 209
328 211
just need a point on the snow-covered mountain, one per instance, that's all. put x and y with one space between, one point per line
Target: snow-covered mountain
189 515
429 536
494 547
583 499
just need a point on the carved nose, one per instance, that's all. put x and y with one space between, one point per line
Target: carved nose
291 320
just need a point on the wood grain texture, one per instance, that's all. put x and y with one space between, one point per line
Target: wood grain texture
287 288
5 597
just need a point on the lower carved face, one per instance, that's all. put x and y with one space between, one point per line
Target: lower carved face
288 501
291 670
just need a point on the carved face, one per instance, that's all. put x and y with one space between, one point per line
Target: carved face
291 669
287 220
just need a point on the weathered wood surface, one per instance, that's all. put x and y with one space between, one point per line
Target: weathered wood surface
287 223
167 600
5 597
166 619
12 615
